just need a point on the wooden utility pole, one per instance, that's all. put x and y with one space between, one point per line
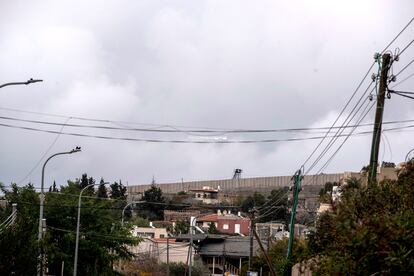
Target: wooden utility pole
168 256
252 226
272 270
376 137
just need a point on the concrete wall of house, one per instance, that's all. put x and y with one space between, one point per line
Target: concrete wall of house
149 232
231 225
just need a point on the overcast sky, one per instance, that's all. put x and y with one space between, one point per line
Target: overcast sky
210 64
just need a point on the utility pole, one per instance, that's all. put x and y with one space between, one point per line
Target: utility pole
252 226
296 189
168 256
376 137
268 239
272 270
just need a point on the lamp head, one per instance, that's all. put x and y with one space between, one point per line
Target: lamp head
77 149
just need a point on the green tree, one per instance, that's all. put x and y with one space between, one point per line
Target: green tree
154 209
118 191
102 192
181 227
252 201
103 239
212 229
18 242
370 231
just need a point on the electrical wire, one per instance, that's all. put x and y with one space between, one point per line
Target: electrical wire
340 130
406 47
343 142
398 35
404 68
65 124
403 80
45 153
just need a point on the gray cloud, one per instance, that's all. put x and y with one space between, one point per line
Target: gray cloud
224 64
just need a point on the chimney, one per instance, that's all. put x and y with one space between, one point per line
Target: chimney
239 213
151 224
219 212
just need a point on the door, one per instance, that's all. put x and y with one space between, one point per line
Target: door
237 228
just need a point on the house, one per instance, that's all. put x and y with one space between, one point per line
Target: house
182 215
226 222
223 253
206 195
149 232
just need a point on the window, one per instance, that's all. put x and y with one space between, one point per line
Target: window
225 226
162 236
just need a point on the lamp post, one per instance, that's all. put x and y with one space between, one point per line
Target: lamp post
42 200
75 263
29 81
126 206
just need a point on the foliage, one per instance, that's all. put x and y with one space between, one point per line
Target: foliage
212 229
277 255
139 221
18 242
181 227
102 191
370 231
252 201
118 191
154 209
102 240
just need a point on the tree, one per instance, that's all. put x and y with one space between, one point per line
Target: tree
18 243
370 231
181 227
102 192
103 240
212 229
154 209
252 201
53 188
118 191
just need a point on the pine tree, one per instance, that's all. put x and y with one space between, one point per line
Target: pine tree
102 192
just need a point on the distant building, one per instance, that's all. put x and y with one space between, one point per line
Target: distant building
183 215
149 232
206 195
226 222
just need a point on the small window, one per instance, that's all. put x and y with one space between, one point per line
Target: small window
225 226
162 236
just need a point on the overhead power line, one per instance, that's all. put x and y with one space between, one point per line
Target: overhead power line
404 68
65 124
176 141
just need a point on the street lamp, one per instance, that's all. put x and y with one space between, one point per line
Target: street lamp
75 264
126 206
42 200
29 81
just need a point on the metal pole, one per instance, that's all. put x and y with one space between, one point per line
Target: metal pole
126 206
75 264
191 247
298 178
42 201
168 256
20 83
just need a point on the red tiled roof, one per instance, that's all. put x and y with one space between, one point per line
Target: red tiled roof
209 218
